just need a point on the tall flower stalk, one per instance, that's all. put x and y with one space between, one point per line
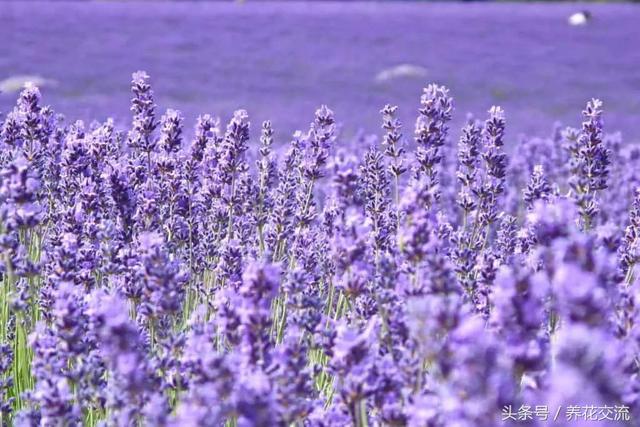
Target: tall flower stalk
589 162
393 149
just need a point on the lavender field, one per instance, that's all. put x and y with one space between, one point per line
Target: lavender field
173 257
280 60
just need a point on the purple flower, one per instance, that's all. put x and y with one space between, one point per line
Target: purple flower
171 131
19 196
131 381
144 116
519 314
589 162
392 141
538 188
161 278
431 130
375 187
468 155
495 165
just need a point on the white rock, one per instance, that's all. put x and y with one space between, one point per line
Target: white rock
579 18
401 71
17 83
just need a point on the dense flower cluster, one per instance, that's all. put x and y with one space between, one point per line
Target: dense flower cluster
151 280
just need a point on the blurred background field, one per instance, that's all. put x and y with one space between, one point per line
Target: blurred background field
281 60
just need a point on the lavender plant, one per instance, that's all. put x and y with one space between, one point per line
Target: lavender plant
151 280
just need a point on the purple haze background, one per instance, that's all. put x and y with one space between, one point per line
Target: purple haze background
281 60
